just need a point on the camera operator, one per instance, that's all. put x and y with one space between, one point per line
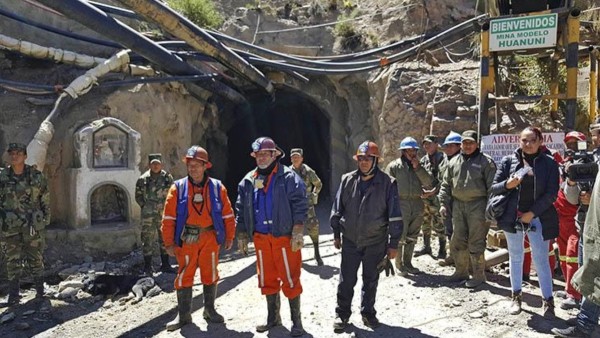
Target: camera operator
587 317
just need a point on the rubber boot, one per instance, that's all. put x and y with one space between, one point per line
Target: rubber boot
426 248
515 305
165 265
184 310
13 292
297 329
148 265
442 250
210 314
407 254
38 284
478 264
273 317
461 263
318 255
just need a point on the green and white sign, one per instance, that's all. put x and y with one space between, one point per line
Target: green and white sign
526 32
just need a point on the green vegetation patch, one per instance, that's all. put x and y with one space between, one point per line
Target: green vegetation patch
200 12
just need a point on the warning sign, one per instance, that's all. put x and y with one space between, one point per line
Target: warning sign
533 31
500 145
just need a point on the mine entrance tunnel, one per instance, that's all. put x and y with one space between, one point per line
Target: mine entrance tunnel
293 121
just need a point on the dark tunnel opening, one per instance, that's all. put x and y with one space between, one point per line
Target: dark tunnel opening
293 121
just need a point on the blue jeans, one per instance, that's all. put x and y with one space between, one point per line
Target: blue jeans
539 254
587 319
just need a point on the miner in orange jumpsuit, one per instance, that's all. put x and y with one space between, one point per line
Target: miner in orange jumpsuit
197 220
271 209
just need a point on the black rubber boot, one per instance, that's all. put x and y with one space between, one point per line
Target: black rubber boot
184 310
13 292
407 259
148 265
38 284
318 255
297 329
210 314
442 250
426 249
165 265
273 317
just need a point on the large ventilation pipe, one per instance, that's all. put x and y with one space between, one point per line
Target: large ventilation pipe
115 30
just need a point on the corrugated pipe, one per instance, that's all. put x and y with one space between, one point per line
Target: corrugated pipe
196 37
99 21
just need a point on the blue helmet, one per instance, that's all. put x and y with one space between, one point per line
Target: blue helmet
408 143
453 137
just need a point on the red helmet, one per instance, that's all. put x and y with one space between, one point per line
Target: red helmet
367 148
198 153
574 135
265 143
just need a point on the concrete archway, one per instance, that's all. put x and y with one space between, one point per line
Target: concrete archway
293 120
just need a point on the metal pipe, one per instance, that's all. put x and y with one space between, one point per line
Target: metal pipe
196 37
486 82
99 21
593 84
571 60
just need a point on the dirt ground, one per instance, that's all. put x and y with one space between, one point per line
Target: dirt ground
417 306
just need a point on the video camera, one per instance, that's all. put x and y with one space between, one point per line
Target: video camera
584 169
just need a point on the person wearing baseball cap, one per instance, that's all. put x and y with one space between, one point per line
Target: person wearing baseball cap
150 192
25 213
467 184
313 187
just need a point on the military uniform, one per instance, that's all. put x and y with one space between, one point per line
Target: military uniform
150 193
467 182
410 188
313 187
431 215
24 215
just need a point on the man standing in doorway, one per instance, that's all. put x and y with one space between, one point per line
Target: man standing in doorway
366 211
313 187
24 215
150 193
271 209
198 219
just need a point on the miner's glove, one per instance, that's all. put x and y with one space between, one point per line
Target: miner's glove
386 265
297 237
242 240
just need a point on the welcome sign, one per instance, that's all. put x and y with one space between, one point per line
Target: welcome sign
526 32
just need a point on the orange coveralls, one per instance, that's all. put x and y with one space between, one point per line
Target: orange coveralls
203 254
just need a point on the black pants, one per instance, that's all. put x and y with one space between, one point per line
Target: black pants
352 258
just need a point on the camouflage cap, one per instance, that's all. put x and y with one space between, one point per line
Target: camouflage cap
155 158
296 151
430 138
17 146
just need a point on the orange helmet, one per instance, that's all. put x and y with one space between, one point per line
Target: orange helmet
367 148
198 153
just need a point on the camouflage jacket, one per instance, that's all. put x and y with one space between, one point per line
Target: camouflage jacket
151 192
432 165
312 182
24 200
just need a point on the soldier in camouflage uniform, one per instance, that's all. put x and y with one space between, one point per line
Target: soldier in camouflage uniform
313 187
431 217
150 193
24 215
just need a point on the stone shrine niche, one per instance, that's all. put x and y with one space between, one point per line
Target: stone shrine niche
110 147
102 184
